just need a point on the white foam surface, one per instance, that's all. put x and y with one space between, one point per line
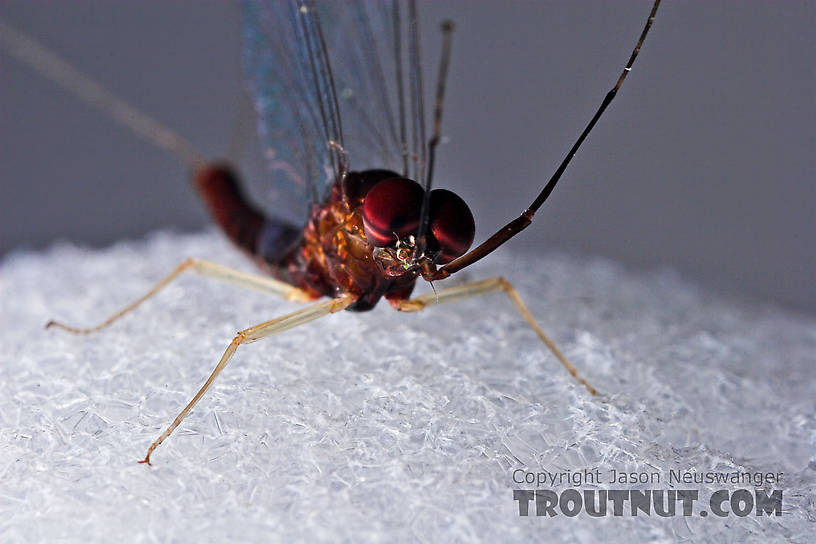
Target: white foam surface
385 426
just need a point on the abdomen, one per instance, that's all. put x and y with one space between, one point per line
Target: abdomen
244 224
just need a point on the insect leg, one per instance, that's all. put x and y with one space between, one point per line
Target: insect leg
205 268
484 287
253 334
523 221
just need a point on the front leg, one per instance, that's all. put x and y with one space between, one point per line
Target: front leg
523 221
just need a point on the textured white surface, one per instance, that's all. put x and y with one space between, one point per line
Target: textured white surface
382 426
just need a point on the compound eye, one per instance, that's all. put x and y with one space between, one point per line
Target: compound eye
451 225
391 210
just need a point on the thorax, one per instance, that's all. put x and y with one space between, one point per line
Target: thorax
333 256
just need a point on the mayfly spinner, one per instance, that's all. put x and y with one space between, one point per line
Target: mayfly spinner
335 84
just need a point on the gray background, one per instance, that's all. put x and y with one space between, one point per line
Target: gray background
704 163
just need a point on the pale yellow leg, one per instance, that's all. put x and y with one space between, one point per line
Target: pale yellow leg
205 268
250 335
483 287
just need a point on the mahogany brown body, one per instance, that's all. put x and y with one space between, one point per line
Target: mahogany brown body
329 256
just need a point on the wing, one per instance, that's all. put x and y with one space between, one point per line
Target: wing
326 77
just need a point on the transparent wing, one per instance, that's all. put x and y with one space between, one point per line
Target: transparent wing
323 78
361 42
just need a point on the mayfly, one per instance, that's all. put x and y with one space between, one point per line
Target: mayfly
335 84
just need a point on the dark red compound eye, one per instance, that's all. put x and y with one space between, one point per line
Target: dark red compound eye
451 225
391 210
